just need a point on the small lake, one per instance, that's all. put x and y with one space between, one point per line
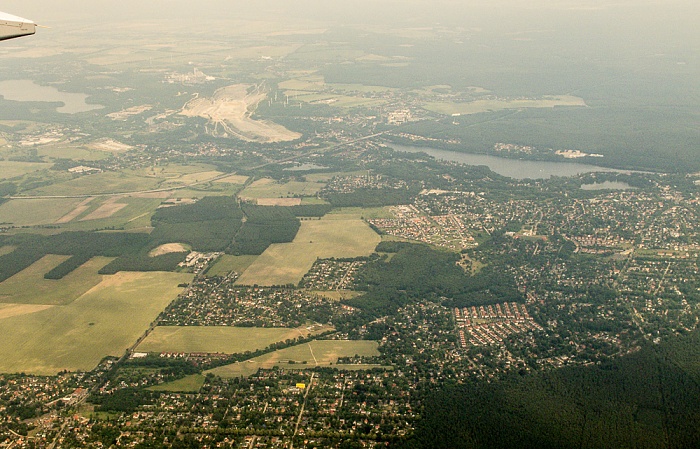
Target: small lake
512 168
26 90
607 185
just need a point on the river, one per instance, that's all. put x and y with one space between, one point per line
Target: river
512 168
26 90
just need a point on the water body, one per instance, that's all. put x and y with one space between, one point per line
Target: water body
27 90
512 168
607 185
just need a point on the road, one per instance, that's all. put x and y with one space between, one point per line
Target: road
303 406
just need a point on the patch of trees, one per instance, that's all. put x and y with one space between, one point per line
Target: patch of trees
370 197
263 226
143 262
207 225
123 400
417 271
80 245
641 400
7 188
310 210
212 235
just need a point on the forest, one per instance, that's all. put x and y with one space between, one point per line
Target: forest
646 399
264 225
417 272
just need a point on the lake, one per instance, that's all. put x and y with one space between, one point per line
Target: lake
512 168
26 90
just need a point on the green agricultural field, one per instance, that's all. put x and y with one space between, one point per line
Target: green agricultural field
309 84
478 106
307 355
189 384
29 286
23 212
104 321
268 188
99 183
68 152
213 188
6 250
136 214
219 339
360 88
324 177
313 200
228 263
192 178
286 263
10 169
234 179
342 101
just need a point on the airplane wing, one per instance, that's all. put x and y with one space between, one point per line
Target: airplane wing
13 26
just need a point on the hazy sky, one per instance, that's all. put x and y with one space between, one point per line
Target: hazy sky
642 26
339 11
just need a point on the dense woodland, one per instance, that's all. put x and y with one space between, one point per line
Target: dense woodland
646 399
416 272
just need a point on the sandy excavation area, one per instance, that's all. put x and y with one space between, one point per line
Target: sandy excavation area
230 111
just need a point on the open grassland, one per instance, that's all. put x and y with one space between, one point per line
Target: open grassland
127 213
279 202
189 384
207 189
228 263
10 169
99 183
234 179
10 310
75 213
104 321
314 90
109 207
336 295
168 248
269 188
192 178
31 212
360 88
172 171
220 339
7 249
286 263
29 286
66 151
343 101
478 106
307 355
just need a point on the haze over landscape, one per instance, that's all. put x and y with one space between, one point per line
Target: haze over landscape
338 224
